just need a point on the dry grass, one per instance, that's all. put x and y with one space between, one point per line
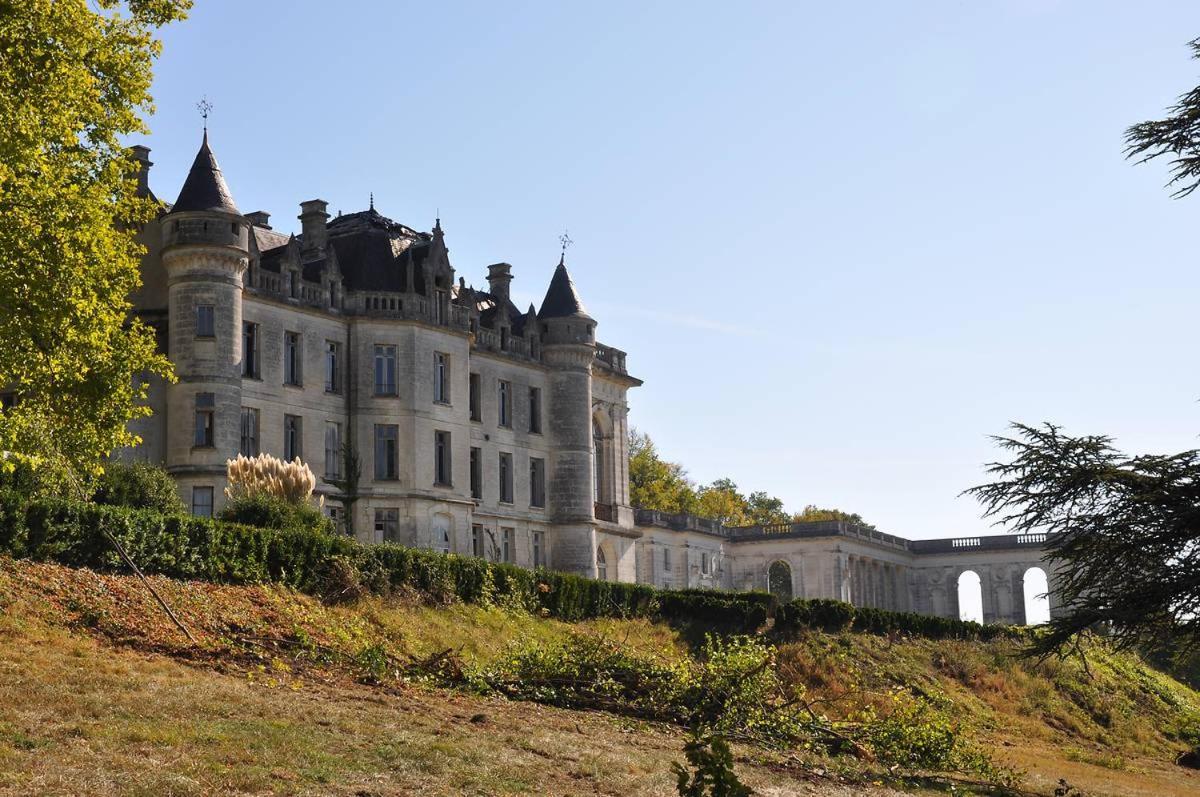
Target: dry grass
100 694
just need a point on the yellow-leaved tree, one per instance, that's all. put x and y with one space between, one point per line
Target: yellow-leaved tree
75 77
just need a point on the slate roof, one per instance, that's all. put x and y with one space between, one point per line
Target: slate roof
204 188
562 300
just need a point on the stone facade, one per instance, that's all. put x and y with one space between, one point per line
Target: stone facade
480 429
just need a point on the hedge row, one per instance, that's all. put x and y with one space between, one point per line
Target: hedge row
187 547
831 615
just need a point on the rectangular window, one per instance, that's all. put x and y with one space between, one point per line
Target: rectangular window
385 370
291 358
205 410
291 437
250 350
473 399
441 458
202 501
387 525
476 473
539 549
506 478
510 544
206 326
503 338
705 563
248 445
333 372
333 450
505 398
537 481
441 378
338 515
535 410
477 540
387 451
666 560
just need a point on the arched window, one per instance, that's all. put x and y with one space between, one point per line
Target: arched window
598 462
1037 599
970 596
779 580
601 565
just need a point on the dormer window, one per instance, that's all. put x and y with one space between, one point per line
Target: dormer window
503 338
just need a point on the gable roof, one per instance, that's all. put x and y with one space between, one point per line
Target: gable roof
204 188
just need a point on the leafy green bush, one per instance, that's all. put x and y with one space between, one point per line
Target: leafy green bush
729 612
139 486
272 512
833 616
711 773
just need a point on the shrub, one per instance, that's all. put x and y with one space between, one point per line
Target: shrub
730 612
139 486
272 512
711 773
833 616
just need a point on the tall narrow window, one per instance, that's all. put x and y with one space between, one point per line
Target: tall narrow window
441 378
385 370
505 403
248 445
333 372
386 451
504 338
666 560
539 549
205 410
202 501
506 478
291 437
439 307
535 410
477 540
387 525
537 482
601 565
291 358
510 544
441 458
473 398
205 321
476 473
250 350
333 450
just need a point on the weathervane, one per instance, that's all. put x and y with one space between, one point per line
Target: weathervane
565 240
205 108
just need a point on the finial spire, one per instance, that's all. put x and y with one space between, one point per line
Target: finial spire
565 240
205 108
372 200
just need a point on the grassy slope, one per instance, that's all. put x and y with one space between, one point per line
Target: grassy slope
94 699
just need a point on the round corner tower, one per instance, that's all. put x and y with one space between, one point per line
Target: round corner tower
205 254
568 349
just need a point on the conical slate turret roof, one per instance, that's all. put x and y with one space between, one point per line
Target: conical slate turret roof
562 300
204 188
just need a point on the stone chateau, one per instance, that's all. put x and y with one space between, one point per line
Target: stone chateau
480 428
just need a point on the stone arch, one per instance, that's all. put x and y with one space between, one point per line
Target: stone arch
603 457
780 580
1035 587
442 532
606 562
970 596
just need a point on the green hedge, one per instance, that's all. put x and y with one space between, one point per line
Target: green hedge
189 547
830 615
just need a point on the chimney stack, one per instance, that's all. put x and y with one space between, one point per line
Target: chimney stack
499 277
259 218
312 223
142 156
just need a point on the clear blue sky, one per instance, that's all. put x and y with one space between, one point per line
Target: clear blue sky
842 243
